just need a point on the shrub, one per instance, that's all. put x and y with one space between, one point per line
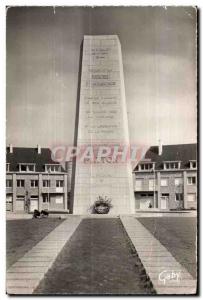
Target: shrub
44 213
102 205
36 214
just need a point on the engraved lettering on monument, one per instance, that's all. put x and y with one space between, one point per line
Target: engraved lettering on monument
102 121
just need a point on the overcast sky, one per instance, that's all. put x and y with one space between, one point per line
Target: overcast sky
159 58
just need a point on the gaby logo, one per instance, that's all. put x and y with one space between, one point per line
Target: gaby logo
169 275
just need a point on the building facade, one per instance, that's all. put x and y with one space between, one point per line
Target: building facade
35 181
166 178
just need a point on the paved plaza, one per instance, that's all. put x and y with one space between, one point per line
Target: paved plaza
101 255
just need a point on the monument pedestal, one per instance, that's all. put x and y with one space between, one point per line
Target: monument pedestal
102 125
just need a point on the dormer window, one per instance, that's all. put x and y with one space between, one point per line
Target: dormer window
193 164
27 167
171 165
7 167
53 168
146 166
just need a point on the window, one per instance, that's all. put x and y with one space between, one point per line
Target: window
172 165
179 197
178 181
7 167
45 198
20 197
167 166
138 184
193 164
165 196
34 183
9 183
27 167
146 195
9 198
146 166
53 168
46 183
59 183
30 168
151 184
191 180
164 182
191 197
23 168
20 182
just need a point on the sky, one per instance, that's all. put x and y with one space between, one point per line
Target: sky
159 60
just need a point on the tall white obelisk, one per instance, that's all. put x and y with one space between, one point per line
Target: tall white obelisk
103 121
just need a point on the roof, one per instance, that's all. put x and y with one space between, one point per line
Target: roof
29 155
183 153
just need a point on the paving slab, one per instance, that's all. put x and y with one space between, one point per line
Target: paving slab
150 254
19 290
32 264
45 251
25 275
166 274
30 283
176 290
36 258
38 269
150 249
158 259
160 269
154 263
39 254
175 283
155 275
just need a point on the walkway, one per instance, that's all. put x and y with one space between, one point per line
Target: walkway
166 274
24 275
97 260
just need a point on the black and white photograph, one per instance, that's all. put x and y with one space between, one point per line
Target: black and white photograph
102 150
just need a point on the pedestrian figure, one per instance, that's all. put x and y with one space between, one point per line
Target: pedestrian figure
27 205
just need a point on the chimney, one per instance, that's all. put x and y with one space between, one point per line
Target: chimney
10 148
160 147
38 149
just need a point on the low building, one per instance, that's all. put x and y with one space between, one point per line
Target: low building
167 178
35 181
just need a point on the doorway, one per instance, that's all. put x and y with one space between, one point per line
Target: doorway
164 201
